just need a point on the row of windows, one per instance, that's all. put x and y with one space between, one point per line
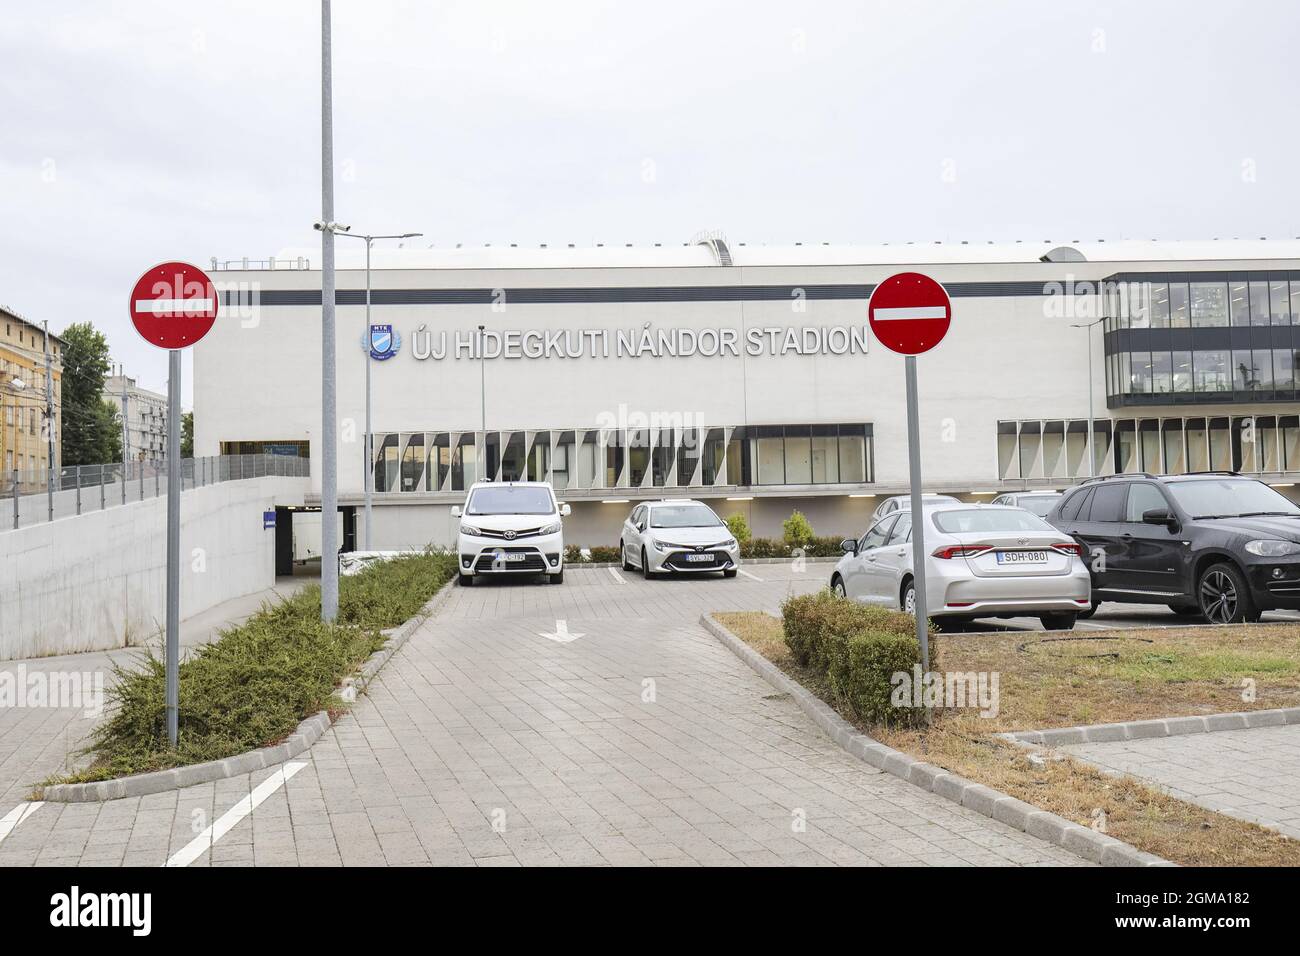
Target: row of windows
626 458
1058 449
1248 299
1204 371
1120 502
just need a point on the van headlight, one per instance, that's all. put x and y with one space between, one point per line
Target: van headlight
550 529
1272 548
467 529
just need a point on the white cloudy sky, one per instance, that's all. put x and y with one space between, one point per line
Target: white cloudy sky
141 131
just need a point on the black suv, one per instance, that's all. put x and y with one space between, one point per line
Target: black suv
1212 544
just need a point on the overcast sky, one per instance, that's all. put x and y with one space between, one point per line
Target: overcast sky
141 131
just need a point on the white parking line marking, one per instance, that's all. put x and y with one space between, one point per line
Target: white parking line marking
9 822
754 577
617 577
227 821
1093 625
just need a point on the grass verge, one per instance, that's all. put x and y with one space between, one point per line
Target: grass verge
255 684
1047 681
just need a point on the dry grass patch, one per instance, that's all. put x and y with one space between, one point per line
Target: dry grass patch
1101 678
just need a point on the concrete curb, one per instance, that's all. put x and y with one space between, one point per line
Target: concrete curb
1083 841
301 740
1146 729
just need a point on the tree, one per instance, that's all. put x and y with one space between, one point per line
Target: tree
187 434
798 532
90 428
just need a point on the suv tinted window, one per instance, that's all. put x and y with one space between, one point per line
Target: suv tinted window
1143 497
1075 504
876 536
1108 502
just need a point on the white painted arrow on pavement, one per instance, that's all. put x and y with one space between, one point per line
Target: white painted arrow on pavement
561 635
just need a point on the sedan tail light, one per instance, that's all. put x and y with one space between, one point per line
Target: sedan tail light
961 550
1069 547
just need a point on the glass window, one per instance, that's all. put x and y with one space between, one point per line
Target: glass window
664 452
688 457
1181 368
1211 370
513 461
385 462
877 535
798 455
1108 502
713 465
1259 308
1245 372
683 516
1229 496
825 456
1138 304
613 459
979 520
1143 497
510 500
1284 364
587 460
413 463
902 531
853 454
638 455
1279 304
770 454
738 461
1158 297
1239 302
1140 369
561 458
539 457
1209 304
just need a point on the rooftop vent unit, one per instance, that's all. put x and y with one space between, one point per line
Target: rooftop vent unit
717 244
1063 254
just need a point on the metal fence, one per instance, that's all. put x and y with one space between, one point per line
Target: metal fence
41 495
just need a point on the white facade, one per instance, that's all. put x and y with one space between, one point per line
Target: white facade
1004 399
146 418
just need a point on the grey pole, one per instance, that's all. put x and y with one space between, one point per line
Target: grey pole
482 380
918 526
1092 454
173 543
126 434
329 565
49 425
15 487
370 467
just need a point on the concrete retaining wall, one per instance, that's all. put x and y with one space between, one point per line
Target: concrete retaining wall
99 581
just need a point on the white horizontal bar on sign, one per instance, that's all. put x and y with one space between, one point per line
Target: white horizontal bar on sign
172 306
917 312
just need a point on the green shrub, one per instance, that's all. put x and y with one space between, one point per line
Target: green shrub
764 548
738 525
260 679
857 647
823 547
573 554
796 531
607 555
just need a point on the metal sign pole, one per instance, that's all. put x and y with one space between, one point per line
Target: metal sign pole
918 526
173 543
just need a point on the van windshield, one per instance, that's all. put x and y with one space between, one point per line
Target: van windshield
510 500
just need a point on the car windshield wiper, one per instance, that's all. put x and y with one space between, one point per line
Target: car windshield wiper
1269 514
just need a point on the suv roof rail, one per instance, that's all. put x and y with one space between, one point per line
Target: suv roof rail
1126 474
1235 474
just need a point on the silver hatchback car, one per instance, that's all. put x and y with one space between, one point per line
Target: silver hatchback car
984 561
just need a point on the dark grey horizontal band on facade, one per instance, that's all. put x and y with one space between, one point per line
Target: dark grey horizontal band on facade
1205 337
1256 275
573 296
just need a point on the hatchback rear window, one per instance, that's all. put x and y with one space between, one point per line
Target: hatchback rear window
980 520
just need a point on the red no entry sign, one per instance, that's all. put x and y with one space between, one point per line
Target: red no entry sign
173 305
909 313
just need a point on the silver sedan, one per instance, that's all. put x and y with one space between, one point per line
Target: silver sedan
983 561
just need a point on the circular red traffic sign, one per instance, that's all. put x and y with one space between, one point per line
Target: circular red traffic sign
909 313
173 305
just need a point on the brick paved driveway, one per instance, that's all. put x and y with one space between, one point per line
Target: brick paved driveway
1250 774
483 742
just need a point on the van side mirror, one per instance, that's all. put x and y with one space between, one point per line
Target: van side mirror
455 511
849 546
565 510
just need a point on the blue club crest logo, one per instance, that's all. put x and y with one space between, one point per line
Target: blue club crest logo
382 342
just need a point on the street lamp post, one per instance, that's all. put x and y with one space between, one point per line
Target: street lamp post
1092 455
368 441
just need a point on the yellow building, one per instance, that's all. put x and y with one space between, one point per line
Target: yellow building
24 441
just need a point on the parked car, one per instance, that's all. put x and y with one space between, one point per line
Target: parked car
1035 502
1216 545
904 503
677 535
984 561
511 527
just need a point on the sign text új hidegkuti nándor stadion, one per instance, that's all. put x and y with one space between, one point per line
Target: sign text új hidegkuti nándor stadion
747 375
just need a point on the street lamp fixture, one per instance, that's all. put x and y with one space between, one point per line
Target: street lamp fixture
369 475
